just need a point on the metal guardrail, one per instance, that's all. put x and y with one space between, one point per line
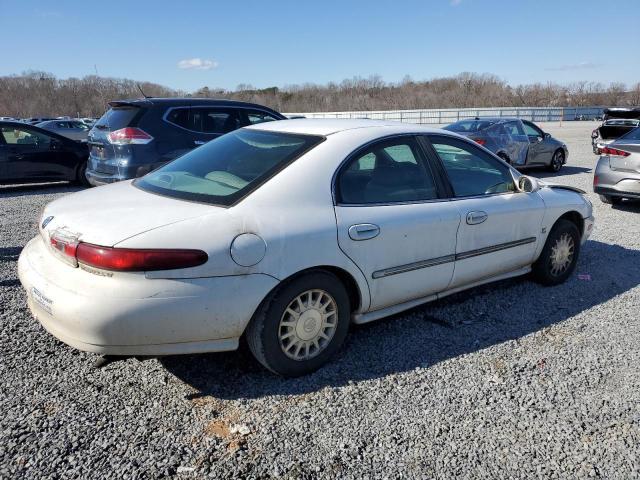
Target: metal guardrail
450 115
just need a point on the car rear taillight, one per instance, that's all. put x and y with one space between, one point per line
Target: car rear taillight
129 136
595 180
613 151
479 141
138 260
63 245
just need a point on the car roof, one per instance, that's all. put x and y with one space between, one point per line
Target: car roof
489 119
177 101
328 126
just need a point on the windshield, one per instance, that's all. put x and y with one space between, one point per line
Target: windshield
469 125
228 168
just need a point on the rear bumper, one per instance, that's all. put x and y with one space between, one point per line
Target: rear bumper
616 183
129 314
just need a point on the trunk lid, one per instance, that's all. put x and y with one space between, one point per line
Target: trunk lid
110 214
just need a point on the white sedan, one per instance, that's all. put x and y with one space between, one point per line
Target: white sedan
286 232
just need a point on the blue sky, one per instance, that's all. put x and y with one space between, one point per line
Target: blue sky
190 44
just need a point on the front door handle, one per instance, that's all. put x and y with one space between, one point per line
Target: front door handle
199 142
476 217
363 231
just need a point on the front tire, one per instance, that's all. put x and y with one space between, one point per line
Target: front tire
301 326
560 254
556 161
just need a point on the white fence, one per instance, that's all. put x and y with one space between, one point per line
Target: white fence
449 115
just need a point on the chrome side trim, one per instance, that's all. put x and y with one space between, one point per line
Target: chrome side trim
450 258
360 318
413 266
494 248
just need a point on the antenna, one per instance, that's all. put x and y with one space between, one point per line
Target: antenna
140 88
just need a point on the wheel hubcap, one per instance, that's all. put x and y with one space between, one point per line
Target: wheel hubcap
557 161
308 324
562 254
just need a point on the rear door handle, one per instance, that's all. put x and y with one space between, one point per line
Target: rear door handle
476 217
363 231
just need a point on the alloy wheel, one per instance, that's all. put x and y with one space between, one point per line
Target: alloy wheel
562 254
308 324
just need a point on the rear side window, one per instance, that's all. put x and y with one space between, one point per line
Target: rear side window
205 120
225 170
23 136
117 117
388 172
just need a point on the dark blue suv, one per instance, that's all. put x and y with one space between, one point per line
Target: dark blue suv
136 136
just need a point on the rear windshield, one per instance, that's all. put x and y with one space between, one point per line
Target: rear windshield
227 169
632 135
621 122
469 125
116 118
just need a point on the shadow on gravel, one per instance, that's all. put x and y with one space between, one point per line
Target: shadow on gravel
566 170
463 323
628 206
9 254
38 189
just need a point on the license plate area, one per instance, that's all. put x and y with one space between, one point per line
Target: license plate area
42 300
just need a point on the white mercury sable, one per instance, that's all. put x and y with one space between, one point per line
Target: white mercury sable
286 232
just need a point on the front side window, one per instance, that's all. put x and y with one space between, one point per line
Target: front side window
387 172
471 171
20 136
225 170
531 130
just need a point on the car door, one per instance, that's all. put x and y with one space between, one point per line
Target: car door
4 157
393 223
540 152
500 227
518 142
33 155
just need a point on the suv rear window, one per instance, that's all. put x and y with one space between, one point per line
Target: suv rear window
117 117
227 169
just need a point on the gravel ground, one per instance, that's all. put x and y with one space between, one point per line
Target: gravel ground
510 380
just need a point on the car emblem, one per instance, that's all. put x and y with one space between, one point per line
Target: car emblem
46 221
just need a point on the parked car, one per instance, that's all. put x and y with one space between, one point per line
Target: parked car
617 122
8 119
518 142
136 136
30 154
73 129
286 232
36 120
617 174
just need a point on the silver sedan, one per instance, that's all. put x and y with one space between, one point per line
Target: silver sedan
73 129
617 174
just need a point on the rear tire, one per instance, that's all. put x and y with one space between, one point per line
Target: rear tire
556 161
559 255
608 199
301 325
81 177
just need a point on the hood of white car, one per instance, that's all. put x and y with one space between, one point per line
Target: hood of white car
112 213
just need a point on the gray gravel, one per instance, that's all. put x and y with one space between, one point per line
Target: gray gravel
510 380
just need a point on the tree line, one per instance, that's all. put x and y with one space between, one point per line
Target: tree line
42 94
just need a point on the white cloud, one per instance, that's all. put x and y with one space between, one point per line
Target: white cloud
573 66
197 64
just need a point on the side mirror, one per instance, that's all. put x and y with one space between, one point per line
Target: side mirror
547 135
528 184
